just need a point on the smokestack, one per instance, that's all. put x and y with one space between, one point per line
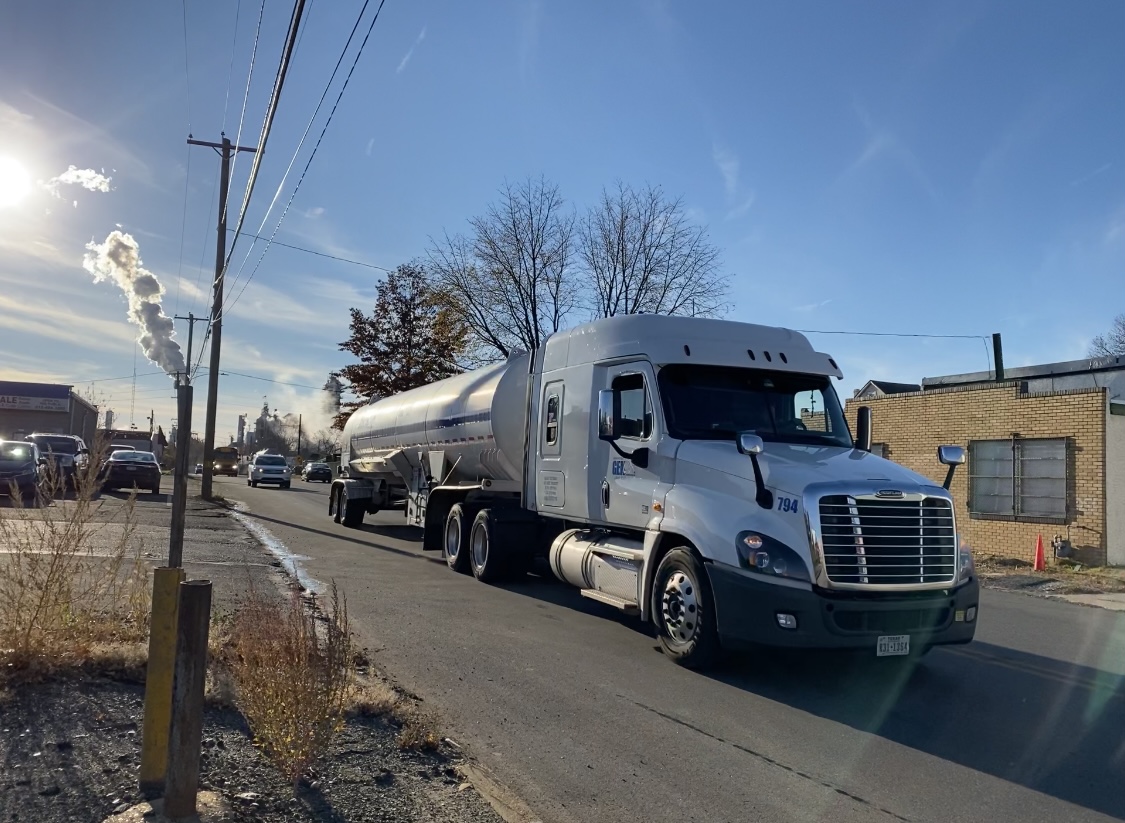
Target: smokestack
118 259
998 357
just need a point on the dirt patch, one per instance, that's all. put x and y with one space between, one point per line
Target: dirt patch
1060 578
70 750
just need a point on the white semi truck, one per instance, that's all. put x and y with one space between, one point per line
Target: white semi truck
699 473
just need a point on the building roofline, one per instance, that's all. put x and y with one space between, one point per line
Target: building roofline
1087 366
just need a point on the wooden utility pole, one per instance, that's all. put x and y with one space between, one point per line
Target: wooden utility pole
226 150
192 320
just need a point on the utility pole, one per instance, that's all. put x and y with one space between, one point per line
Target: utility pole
192 320
299 418
226 151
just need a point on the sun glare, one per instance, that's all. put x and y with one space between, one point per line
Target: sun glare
15 182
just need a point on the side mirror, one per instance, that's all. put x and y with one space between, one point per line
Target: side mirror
863 428
952 456
42 461
607 417
749 443
83 451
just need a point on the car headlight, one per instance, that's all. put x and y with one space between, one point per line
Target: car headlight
769 557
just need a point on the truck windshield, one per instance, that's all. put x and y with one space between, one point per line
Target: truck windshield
718 403
59 445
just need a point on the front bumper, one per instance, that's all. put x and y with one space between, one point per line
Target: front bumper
141 479
747 607
266 479
26 485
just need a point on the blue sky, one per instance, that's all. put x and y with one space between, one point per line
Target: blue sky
940 168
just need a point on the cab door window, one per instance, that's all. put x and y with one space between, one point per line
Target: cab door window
635 409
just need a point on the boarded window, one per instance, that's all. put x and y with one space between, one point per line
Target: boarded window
1018 479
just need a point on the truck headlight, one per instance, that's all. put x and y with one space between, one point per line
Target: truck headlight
966 568
769 557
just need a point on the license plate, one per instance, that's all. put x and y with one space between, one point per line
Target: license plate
131 468
891 645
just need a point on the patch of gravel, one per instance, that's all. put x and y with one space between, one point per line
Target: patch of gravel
70 751
1018 576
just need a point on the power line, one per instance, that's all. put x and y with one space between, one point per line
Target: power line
267 124
249 77
187 70
316 147
183 230
301 142
268 380
317 253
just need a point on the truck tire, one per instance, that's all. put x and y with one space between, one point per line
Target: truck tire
683 610
334 505
351 511
486 554
455 540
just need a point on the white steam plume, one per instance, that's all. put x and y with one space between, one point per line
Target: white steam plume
74 176
118 259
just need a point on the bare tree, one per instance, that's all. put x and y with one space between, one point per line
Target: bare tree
1112 343
642 255
508 282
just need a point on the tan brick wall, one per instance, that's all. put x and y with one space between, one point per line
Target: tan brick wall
913 425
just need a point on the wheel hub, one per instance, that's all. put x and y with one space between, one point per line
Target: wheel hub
680 607
452 538
480 547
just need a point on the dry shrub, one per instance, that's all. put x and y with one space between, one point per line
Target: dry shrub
73 582
292 678
418 732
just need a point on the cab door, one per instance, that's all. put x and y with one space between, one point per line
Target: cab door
627 490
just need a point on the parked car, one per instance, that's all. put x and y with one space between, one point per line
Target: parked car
128 469
318 471
269 468
117 447
199 468
66 453
22 464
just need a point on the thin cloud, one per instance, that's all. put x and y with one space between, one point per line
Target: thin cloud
882 143
370 146
1095 173
1116 229
742 208
727 163
529 35
810 307
410 53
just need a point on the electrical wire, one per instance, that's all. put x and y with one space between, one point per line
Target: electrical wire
183 231
187 69
317 253
316 147
230 68
301 143
267 124
246 94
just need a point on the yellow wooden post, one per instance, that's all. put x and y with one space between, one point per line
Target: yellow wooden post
158 678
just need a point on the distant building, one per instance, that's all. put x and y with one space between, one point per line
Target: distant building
53 408
109 418
1046 453
241 440
881 388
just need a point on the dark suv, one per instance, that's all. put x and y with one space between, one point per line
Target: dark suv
318 471
67 453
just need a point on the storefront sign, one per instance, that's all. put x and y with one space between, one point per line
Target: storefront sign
47 404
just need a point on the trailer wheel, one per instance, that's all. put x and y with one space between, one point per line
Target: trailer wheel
487 555
684 611
455 545
334 505
351 511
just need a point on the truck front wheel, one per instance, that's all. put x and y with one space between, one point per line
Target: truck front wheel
457 535
683 610
334 505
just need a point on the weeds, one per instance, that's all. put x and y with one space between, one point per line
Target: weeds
73 587
292 680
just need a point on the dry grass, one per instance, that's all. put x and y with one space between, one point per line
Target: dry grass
74 590
292 679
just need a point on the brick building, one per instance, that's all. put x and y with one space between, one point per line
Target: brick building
1048 461
44 407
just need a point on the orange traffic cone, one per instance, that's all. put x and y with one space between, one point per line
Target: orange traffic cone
1040 562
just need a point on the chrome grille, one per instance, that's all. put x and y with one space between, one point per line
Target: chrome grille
873 541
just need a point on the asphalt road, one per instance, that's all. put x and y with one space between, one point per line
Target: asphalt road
574 708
